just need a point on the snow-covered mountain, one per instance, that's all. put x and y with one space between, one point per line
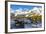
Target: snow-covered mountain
34 10
21 12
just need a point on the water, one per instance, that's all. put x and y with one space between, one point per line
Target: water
28 25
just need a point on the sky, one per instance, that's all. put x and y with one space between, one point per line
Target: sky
22 7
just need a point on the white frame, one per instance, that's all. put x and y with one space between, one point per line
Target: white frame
30 29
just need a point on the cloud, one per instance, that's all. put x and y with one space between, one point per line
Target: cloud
12 11
19 10
25 9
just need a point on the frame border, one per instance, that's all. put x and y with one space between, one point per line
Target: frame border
6 16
